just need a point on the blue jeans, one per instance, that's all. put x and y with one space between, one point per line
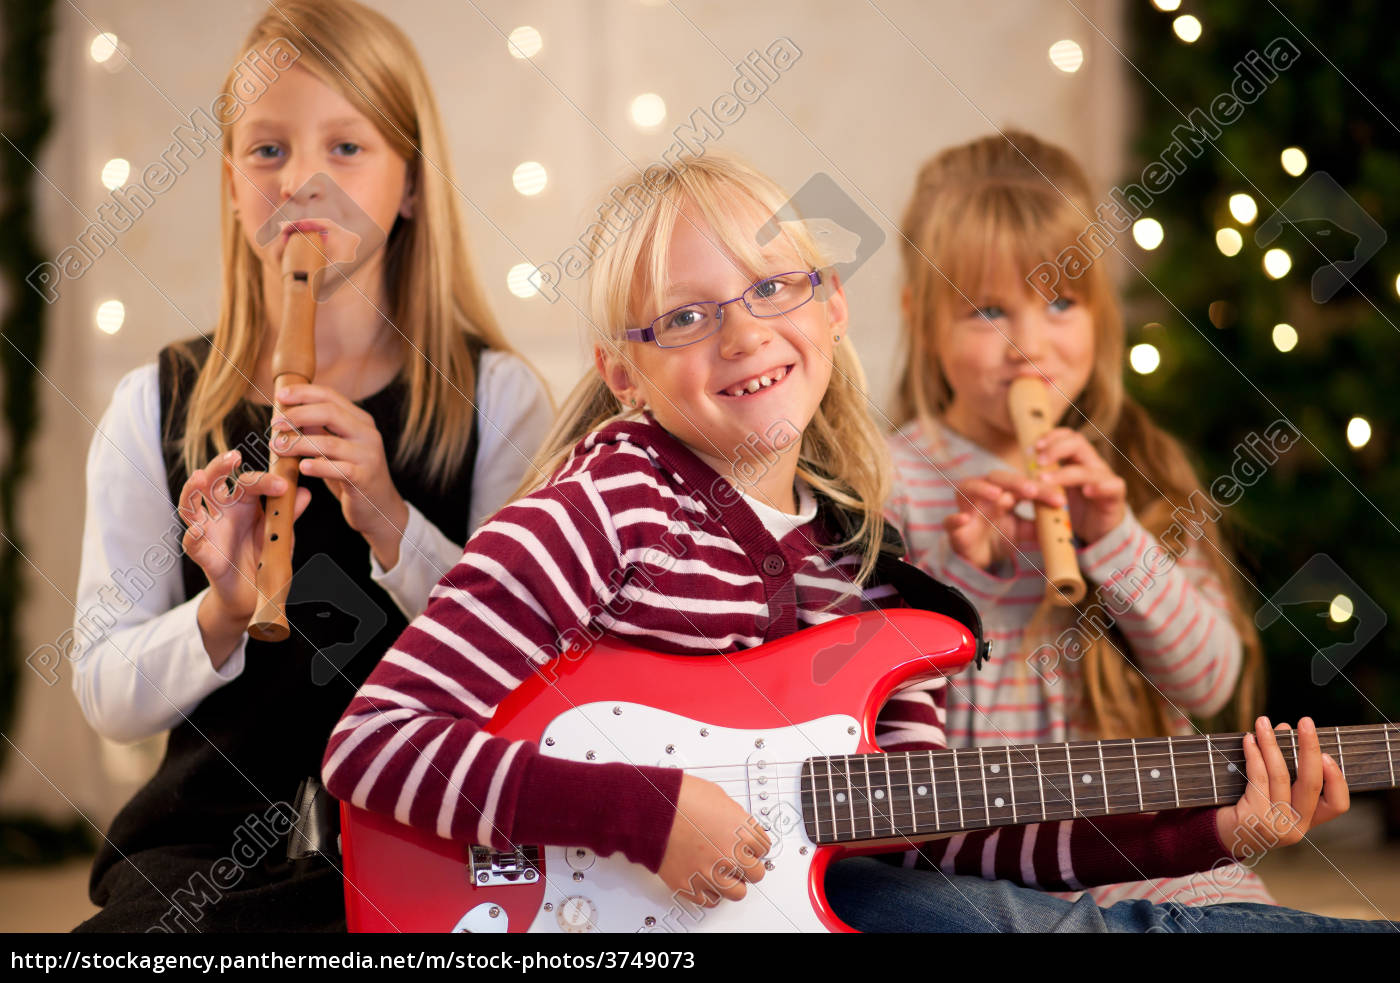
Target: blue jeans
878 897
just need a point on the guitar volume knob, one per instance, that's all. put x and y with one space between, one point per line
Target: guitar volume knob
577 914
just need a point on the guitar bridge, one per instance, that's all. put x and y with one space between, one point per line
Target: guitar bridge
491 867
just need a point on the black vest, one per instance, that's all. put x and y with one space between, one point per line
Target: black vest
250 743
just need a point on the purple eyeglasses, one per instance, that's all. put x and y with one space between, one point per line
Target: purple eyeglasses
770 297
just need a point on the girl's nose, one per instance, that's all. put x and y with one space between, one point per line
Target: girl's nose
1026 338
302 184
741 333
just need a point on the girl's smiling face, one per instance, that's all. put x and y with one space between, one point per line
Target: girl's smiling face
690 390
304 155
1000 333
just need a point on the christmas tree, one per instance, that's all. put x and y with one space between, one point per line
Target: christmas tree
1267 142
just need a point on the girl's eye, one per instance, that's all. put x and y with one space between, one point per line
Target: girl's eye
990 313
768 289
348 149
1061 304
684 319
267 151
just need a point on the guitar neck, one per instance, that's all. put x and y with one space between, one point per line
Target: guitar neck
923 793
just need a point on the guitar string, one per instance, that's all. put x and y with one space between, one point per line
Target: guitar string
898 759
1177 745
903 819
897 813
1083 765
936 775
841 832
900 793
1224 746
1364 752
972 794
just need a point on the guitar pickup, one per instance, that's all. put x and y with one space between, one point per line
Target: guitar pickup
493 867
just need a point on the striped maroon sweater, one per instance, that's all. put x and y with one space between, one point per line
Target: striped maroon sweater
581 553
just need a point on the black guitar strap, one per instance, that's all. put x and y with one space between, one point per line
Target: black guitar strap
918 589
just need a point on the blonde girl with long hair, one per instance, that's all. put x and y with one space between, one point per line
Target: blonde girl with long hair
716 483
1161 650
419 422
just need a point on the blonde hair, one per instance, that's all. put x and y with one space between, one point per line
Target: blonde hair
1008 203
842 454
433 296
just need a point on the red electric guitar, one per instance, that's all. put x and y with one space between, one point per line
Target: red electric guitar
786 729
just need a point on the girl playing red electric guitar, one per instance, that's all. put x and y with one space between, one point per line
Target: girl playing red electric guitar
709 348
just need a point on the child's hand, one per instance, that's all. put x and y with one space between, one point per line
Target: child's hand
340 444
225 533
713 837
984 530
1273 813
1097 497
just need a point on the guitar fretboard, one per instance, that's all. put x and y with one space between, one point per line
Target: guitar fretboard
919 793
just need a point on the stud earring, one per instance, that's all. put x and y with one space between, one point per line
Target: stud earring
836 339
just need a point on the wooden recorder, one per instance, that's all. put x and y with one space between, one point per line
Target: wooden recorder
293 362
1030 414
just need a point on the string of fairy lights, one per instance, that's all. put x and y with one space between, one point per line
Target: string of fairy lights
1148 233
647 112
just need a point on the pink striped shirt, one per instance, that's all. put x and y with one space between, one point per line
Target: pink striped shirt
582 552
1172 613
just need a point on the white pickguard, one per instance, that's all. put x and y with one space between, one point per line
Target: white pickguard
619 896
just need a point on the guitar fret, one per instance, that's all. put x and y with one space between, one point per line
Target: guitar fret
913 806
986 797
889 795
831 798
1210 761
1390 757
1340 763
1011 781
1171 766
1069 775
957 787
933 791
870 798
1103 774
807 787
1137 773
850 793
1040 781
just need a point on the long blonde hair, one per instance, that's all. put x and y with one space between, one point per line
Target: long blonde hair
842 454
1013 199
434 298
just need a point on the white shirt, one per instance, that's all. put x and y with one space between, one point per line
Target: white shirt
780 523
139 660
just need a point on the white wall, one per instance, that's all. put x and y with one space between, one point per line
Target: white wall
878 88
